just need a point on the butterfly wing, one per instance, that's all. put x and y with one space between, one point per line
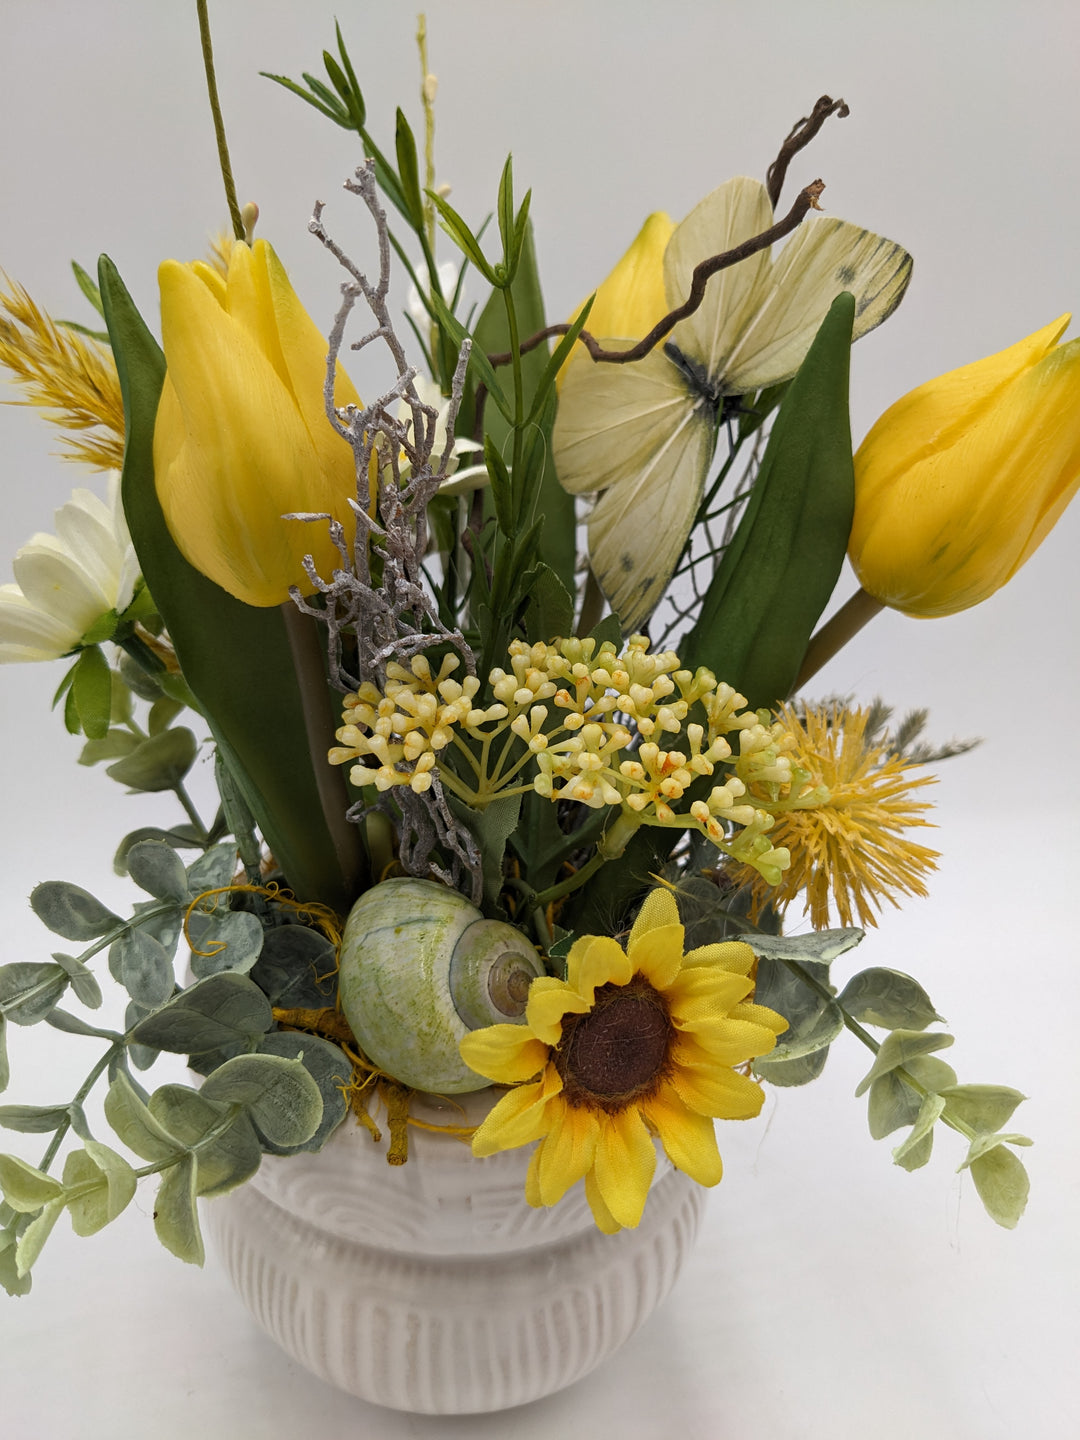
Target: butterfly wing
636 433
735 211
824 258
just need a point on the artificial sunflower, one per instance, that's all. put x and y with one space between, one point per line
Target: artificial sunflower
851 849
633 1043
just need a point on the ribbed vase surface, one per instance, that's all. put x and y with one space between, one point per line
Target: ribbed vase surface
432 1286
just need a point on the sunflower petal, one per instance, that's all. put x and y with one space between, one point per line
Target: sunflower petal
549 1000
507 1053
733 955
711 996
660 909
658 954
567 1152
593 961
688 1137
625 1162
524 1114
721 1092
605 1221
532 1179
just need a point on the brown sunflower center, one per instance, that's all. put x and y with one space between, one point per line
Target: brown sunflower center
618 1050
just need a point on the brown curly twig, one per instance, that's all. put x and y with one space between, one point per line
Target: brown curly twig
806 200
800 135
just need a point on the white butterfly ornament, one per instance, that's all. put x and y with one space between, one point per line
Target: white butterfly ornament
642 435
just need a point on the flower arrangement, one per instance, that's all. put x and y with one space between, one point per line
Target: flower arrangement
438 684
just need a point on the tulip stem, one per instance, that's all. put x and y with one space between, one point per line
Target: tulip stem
219 123
308 662
835 634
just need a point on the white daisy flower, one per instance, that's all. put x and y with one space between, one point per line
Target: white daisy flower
65 583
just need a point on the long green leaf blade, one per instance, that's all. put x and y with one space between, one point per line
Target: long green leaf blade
236 658
779 571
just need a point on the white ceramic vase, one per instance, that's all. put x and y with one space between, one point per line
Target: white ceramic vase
433 1286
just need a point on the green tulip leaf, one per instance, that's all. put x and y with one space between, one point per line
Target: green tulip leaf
235 658
779 571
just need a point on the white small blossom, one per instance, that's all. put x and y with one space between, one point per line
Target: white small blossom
65 583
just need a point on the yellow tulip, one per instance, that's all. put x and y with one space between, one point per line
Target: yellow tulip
960 481
241 436
631 300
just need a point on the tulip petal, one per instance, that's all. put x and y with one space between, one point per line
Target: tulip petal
232 454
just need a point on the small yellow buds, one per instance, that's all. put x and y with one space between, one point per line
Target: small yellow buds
580 721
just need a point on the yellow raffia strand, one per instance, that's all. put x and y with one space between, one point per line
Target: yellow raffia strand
843 818
321 917
591 722
71 378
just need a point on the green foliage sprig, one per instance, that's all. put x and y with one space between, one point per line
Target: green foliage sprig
266 1090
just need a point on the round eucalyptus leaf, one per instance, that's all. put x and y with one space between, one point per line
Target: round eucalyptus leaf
159 763
280 1095
156 868
70 911
29 991
331 1070
227 940
141 964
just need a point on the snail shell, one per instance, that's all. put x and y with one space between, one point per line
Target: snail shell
420 968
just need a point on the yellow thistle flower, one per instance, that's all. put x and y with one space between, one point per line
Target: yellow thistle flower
852 847
71 378
633 1043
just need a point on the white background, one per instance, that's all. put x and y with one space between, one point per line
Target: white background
831 1294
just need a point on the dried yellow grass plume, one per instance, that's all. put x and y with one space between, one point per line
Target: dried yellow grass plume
72 379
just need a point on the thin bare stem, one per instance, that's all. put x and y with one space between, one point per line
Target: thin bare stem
806 200
835 634
799 136
219 122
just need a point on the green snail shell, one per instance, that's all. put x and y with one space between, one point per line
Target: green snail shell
420 968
